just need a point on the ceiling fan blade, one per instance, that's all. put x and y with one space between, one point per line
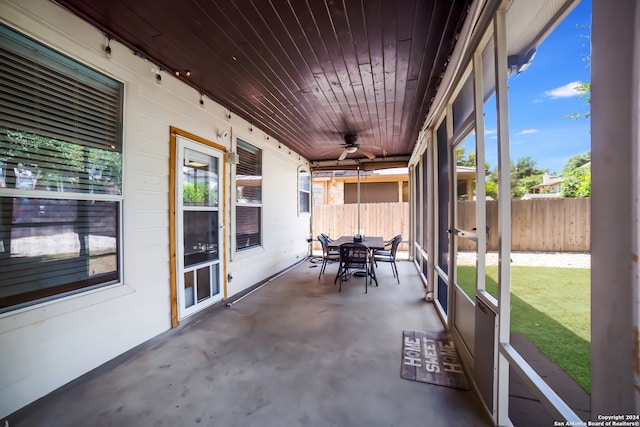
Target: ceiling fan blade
343 155
330 151
369 155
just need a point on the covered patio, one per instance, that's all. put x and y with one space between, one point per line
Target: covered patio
174 146
293 352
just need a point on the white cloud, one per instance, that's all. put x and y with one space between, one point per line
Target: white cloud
566 91
528 131
491 133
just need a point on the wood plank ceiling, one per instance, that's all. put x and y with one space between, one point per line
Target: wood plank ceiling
306 72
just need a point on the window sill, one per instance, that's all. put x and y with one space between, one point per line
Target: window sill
43 311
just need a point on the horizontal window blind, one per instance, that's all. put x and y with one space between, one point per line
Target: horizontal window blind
60 132
248 227
46 93
248 196
249 174
31 162
51 245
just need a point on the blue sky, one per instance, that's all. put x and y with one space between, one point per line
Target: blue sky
540 96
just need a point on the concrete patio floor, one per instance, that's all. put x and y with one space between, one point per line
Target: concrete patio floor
294 352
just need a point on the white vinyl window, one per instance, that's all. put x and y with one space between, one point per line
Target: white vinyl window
304 191
248 197
60 174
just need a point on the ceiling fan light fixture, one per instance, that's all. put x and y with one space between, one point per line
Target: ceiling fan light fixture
351 149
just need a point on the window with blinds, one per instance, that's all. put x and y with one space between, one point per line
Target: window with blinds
248 196
60 174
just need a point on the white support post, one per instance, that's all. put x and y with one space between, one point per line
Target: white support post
412 206
431 194
451 272
481 194
504 212
615 348
481 198
635 189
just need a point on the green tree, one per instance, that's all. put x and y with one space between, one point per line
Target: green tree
585 92
469 160
491 188
526 167
575 162
524 175
461 160
584 88
577 183
491 185
576 175
529 181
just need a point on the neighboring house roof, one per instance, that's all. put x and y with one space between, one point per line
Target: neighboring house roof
548 189
465 172
549 184
548 181
465 169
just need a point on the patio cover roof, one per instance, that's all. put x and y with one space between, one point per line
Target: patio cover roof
307 73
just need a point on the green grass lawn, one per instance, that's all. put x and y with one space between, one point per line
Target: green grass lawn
551 306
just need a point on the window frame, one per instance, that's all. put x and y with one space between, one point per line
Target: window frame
302 171
244 203
84 194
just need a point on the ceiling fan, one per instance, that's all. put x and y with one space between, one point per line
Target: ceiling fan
351 146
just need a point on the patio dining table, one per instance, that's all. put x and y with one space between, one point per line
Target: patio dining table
372 243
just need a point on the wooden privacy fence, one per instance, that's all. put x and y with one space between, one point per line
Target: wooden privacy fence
540 225
376 219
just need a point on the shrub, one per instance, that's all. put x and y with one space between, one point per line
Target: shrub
577 183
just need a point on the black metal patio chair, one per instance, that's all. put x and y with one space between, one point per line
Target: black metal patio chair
329 240
327 255
389 256
353 257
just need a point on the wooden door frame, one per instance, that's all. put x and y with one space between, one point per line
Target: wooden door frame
173 262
